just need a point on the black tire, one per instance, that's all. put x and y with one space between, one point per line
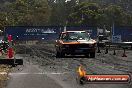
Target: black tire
87 55
92 55
59 54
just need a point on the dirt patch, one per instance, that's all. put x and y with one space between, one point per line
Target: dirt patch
4 70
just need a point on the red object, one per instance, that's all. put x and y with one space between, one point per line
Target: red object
10 54
118 78
9 38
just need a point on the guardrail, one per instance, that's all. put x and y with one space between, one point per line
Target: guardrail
120 44
116 46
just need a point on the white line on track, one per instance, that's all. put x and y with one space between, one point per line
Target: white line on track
43 73
3 73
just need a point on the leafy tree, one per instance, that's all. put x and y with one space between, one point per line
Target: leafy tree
85 14
117 15
94 15
60 11
2 20
28 13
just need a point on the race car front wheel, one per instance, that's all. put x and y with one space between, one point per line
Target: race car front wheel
92 55
59 54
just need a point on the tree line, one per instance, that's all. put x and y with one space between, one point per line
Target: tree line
64 12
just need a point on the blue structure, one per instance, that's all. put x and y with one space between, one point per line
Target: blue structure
44 32
125 33
34 32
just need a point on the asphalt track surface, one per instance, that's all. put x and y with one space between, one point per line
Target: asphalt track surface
31 77
43 70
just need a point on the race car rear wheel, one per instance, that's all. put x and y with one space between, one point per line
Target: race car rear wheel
87 55
92 55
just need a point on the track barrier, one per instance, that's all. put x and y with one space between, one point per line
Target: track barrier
124 53
11 61
114 48
106 51
98 50
114 53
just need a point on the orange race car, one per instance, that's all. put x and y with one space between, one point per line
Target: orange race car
75 42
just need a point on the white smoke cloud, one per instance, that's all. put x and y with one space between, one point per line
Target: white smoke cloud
67 0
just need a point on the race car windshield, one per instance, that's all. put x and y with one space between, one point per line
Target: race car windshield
77 36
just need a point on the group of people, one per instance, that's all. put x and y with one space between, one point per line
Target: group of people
4 46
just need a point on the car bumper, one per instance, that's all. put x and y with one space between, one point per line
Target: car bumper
78 51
